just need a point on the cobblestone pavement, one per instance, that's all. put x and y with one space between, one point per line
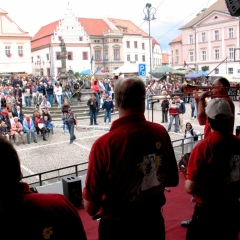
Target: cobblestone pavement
57 152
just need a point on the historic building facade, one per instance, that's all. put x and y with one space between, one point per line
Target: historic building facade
211 39
96 44
15 49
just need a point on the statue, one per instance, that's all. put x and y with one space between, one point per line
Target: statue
63 75
63 47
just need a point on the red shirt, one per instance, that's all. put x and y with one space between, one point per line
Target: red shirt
207 128
39 216
211 165
131 163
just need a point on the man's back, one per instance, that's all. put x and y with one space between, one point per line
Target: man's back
136 161
39 216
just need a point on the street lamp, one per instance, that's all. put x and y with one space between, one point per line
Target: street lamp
149 12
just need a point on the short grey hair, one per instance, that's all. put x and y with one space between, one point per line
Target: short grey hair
129 92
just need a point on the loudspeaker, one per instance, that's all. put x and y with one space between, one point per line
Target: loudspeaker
238 131
72 189
233 7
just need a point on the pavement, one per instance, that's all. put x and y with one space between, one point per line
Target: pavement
57 152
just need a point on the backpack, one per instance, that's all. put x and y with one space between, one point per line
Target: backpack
195 137
75 85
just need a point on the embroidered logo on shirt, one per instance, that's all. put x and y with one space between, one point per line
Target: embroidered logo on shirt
47 232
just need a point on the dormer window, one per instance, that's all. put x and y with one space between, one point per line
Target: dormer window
216 17
59 38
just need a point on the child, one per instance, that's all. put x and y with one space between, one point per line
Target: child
107 107
189 140
48 124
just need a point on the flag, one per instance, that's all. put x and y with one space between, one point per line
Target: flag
103 60
98 61
91 60
185 64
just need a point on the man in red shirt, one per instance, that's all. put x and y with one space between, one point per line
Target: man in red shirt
213 178
129 168
220 92
29 215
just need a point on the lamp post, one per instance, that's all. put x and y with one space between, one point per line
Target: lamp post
149 12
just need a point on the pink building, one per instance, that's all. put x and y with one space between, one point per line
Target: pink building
210 39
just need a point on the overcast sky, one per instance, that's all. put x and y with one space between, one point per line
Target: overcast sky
31 15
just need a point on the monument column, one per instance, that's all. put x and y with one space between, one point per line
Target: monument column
63 75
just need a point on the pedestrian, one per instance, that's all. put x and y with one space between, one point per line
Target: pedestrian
93 109
65 108
190 138
54 215
71 121
165 106
129 168
181 110
213 178
107 107
173 113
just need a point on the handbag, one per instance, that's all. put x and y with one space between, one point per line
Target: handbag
41 125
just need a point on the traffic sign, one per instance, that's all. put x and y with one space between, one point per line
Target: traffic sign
142 69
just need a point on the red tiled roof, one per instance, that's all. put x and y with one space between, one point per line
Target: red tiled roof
131 28
94 26
41 42
154 42
219 6
46 30
165 58
177 39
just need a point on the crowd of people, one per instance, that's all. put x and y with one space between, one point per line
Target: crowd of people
129 170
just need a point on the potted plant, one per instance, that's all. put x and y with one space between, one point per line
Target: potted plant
20 54
9 54
205 68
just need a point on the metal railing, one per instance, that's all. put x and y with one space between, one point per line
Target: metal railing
51 176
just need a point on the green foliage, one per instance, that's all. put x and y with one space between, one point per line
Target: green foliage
205 68
76 74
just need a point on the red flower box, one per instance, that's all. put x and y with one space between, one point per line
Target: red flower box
20 55
9 55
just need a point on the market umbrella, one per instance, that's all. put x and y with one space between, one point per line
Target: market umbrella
192 75
86 72
161 71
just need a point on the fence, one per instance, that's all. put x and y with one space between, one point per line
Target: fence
51 176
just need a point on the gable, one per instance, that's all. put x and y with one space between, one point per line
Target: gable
9 27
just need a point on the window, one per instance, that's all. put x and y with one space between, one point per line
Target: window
20 50
80 39
230 33
32 59
143 58
128 58
69 56
230 53
191 39
128 44
216 35
106 54
59 38
177 56
7 50
116 53
216 54
47 56
58 55
217 71
143 46
115 40
136 58
85 55
230 70
96 41
97 55
204 55
191 58
135 44
203 37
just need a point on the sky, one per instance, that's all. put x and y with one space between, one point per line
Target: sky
31 15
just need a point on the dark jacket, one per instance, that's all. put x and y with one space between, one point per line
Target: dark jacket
165 105
94 106
49 89
108 106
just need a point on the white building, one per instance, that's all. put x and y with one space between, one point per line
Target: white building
15 47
